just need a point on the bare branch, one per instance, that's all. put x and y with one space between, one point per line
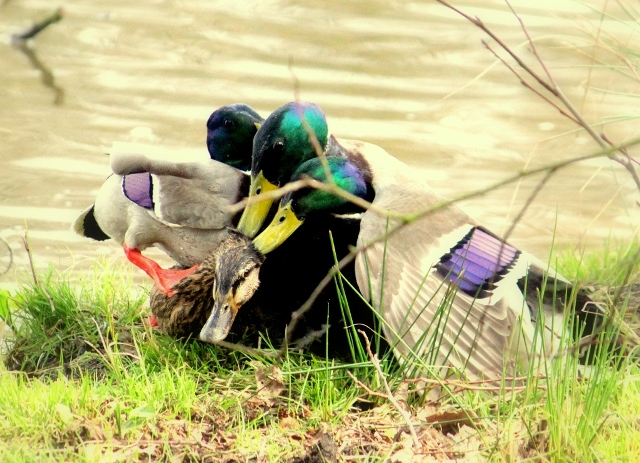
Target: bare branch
264 353
527 85
405 415
528 203
551 86
367 389
25 243
38 27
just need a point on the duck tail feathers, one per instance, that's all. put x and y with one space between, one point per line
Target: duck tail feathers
86 225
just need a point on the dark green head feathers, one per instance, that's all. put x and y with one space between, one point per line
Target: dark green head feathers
283 142
346 176
230 132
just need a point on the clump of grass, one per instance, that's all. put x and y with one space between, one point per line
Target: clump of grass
55 321
616 263
160 399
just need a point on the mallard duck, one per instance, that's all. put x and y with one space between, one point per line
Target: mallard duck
178 207
267 313
205 303
449 292
278 148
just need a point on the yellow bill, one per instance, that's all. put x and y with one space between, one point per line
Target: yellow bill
283 225
255 213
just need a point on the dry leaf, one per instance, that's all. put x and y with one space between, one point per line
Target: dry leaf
268 384
289 422
449 418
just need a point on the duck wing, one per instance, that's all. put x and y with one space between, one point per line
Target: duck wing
191 194
446 289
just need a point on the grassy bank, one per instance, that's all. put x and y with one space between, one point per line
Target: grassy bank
88 380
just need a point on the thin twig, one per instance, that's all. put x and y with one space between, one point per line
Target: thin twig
528 203
551 86
25 242
527 85
367 389
626 162
533 47
471 385
307 182
405 415
305 124
264 353
38 27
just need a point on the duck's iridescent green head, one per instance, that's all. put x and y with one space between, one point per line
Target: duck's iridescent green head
230 132
297 205
285 140
307 200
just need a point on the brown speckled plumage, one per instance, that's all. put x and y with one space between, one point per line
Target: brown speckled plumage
185 313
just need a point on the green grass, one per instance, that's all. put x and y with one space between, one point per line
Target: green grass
90 381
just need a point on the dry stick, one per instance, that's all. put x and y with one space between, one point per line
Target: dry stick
528 203
310 132
38 27
19 41
367 389
405 415
471 386
550 86
310 182
25 241
627 161
527 85
555 87
246 350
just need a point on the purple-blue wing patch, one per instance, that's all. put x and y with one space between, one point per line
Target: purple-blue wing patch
139 189
478 262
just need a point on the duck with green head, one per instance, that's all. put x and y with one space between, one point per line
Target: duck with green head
452 295
281 144
180 207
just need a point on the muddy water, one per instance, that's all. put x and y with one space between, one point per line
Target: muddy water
412 77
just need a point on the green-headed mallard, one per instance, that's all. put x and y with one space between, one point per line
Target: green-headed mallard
281 145
178 207
449 292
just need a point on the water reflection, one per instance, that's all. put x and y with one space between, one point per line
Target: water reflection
410 76
20 43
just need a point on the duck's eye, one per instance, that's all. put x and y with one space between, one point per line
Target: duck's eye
258 190
228 123
281 219
278 146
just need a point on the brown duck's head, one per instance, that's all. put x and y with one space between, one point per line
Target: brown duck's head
237 267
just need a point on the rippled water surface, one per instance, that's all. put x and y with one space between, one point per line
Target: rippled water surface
412 77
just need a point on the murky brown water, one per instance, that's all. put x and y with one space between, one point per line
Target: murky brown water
398 74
